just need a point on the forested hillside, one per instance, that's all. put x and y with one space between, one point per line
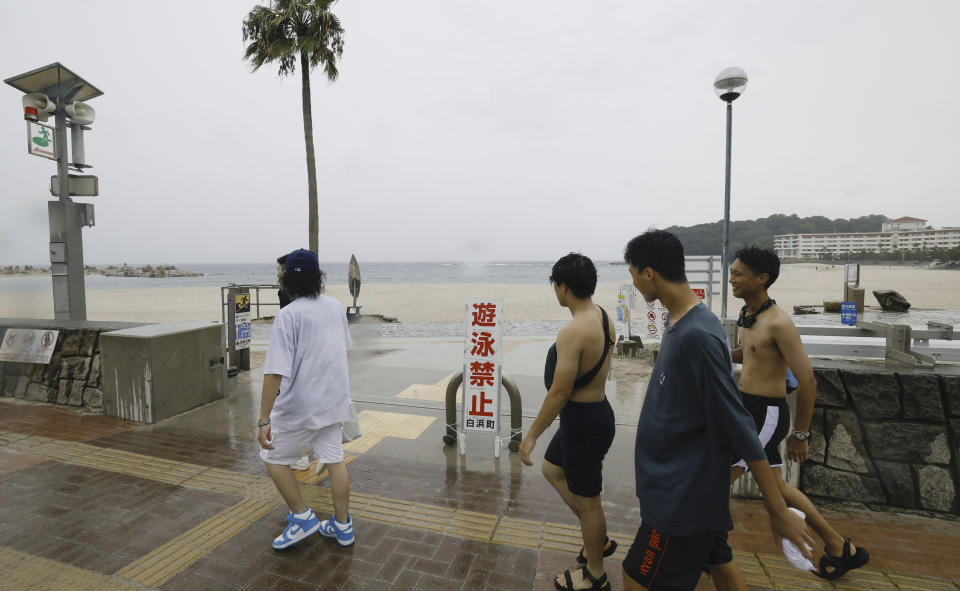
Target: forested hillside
707 238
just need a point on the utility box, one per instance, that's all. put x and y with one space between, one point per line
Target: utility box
153 372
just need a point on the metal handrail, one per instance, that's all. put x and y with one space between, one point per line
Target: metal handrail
935 331
254 286
899 341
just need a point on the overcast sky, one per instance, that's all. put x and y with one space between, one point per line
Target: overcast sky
473 131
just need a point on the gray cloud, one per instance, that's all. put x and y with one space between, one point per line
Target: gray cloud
465 131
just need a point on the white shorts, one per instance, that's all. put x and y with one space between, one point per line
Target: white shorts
288 445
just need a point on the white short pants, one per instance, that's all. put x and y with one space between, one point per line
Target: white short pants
288 445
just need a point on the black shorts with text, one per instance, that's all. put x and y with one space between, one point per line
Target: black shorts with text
661 562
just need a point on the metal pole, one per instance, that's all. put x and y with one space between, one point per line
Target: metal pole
70 301
726 219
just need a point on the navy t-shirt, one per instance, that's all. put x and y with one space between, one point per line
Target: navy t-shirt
692 426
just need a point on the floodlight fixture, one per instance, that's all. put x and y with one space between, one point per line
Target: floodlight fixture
730 84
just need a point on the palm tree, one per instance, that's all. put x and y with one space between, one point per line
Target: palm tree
283 32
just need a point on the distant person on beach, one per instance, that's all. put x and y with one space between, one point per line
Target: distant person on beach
575 375
770 348
307 364
281 294
692 424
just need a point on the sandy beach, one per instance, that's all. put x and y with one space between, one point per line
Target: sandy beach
443 302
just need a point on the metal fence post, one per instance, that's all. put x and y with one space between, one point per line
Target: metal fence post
516 411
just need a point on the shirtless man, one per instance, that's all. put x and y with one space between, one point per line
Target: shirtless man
769 345
575 375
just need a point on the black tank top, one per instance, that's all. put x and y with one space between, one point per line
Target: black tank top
550 367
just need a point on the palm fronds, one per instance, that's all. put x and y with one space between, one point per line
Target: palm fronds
279 32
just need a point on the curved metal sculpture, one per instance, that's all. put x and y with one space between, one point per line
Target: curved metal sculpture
353 279
516 411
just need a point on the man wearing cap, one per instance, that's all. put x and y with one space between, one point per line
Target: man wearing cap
306 398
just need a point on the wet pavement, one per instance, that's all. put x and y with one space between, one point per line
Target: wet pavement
93 502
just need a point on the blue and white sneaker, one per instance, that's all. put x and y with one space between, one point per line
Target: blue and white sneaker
343 532
296 530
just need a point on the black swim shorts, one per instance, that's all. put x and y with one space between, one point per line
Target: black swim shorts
580 444
772 419
661 562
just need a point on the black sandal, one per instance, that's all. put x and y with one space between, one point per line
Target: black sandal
581 559
599 584
832 568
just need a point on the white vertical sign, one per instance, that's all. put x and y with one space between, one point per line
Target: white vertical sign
483 354
657 315
242 322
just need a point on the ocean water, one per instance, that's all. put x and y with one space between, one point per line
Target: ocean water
336 274
533 272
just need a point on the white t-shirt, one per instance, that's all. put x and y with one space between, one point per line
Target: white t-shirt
308 347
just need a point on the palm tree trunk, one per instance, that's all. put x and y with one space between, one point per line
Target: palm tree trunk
314 229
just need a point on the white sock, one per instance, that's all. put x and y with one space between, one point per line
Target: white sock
306 514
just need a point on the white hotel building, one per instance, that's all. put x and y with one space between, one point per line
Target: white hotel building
904 233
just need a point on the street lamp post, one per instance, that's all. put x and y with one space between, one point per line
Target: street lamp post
729 85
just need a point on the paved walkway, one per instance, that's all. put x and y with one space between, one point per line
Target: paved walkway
92 502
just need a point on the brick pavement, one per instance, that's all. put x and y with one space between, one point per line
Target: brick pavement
61 423
183 482
95 519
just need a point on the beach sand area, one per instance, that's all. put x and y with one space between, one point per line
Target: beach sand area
799 284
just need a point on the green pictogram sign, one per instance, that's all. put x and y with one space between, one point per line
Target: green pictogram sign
41 140
44 139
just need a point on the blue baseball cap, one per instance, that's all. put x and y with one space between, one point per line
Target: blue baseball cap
301 260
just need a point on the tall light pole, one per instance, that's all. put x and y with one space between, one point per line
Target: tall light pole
59 91
729 85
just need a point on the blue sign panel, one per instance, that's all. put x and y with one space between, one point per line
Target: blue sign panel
848 313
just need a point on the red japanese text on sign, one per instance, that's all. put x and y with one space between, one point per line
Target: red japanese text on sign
484 314
482 373
482 344
482 351
478 405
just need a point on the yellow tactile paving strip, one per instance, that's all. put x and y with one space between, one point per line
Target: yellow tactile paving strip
310 476
432 392
551 536
377 425
113 460
163 563
24 571
261 497
7 437
752 569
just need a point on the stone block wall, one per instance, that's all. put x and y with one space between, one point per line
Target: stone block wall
886 436
71 378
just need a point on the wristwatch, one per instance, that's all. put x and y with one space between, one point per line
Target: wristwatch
800 435
263 423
